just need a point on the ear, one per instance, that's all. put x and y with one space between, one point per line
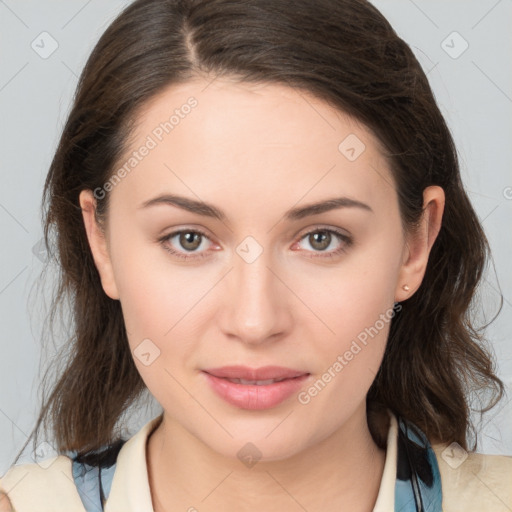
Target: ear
419 243
98 244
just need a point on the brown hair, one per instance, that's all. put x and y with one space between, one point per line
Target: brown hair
342 51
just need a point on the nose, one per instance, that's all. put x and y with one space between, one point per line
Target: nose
255 302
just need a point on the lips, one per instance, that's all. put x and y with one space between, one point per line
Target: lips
254 382
255 388
275 373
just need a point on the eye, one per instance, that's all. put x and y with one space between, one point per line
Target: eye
191 240
188 240
321 239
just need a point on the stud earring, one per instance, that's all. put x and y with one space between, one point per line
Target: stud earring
406 288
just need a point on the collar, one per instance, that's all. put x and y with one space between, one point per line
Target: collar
130 490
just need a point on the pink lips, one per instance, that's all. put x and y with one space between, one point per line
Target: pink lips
252 395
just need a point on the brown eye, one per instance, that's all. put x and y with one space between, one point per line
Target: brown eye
190 240
325 243
186 244
320 240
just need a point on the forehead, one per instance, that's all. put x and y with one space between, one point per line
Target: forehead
250 141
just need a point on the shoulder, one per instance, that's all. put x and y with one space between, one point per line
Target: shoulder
56 484
45 486
474 481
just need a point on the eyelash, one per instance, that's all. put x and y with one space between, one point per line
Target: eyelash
200 255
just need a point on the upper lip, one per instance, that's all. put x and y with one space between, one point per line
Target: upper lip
247 373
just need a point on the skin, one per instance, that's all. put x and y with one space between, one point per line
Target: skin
256 151
5 503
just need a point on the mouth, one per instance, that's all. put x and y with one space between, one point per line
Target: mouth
262 374
255 389
255 382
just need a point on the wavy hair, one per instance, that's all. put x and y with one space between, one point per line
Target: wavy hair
342 51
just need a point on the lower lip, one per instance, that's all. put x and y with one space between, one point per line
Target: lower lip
251 396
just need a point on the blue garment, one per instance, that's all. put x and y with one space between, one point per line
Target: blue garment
93 481
417 485
418 480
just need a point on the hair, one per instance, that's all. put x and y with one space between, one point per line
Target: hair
342 51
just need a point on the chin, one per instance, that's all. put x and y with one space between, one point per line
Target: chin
257 445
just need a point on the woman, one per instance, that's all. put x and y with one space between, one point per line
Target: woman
260 219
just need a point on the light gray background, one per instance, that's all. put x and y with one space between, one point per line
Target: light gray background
473 88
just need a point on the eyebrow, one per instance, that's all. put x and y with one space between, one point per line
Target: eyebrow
209 210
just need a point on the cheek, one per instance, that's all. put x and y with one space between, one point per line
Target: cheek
157 302
354 303
352 296
154 293
349 357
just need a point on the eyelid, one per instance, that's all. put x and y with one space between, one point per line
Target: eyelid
323 227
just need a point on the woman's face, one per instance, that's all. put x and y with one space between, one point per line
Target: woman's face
258 277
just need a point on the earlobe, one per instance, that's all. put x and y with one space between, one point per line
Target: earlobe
418 245
98 244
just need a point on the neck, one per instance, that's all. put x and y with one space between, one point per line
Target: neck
341 472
